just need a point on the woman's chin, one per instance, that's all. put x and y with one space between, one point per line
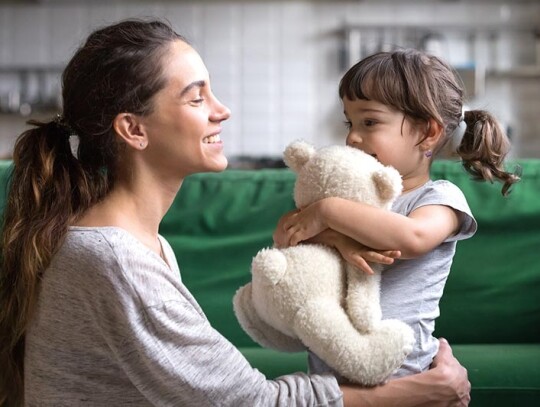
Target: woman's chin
219 164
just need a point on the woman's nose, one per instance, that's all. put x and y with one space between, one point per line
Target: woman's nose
220 112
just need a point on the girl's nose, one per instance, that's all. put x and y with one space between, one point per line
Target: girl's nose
353 139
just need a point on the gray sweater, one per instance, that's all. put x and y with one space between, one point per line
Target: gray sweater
115 326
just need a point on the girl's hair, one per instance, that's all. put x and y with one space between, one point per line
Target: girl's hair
118 69
424 87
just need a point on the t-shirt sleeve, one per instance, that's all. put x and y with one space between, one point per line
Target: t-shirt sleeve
446 193
173 356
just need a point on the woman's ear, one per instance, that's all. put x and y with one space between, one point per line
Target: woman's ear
130 130
432 135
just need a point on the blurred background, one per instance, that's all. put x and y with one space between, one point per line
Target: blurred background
277 64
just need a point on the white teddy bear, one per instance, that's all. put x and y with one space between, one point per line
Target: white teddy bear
307 296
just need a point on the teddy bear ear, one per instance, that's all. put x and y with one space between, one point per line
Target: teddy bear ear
297 154
388 182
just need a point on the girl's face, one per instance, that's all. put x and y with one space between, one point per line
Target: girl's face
185 124
385 133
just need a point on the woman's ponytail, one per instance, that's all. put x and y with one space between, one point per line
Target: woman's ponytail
118 69
48 189
483 149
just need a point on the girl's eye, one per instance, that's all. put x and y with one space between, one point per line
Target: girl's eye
348 124
369 122
197 101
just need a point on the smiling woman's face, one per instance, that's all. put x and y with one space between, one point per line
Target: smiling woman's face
185 124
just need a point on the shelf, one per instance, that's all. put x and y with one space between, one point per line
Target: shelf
532 71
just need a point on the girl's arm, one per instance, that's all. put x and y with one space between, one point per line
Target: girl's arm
352 251
380 229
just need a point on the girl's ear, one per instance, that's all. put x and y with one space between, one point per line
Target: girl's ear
130 130
432 135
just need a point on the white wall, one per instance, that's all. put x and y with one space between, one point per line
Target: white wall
276 63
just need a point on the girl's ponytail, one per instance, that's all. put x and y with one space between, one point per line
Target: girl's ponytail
483 149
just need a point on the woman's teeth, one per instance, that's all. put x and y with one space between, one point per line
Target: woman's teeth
212 139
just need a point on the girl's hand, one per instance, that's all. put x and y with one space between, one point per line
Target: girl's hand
280 234
359 255
303 224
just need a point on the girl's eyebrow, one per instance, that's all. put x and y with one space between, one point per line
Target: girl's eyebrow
371 110
200 84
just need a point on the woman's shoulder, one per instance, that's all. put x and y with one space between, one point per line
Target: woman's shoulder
105 239
110 259
105 251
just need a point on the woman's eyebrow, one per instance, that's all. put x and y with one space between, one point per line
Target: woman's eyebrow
200 84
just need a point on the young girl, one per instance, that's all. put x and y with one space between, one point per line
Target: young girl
92 307
402 107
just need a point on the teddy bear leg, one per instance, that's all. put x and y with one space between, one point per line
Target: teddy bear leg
256 328
396 333
327 331
363 299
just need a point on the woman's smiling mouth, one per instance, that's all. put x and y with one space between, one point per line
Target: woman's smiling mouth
212 139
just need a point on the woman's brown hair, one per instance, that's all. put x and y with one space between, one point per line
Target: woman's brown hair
424 87
118 69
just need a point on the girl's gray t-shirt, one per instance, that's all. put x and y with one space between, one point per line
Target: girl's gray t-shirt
412 288
115 326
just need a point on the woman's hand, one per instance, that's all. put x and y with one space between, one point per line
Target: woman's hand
456 386
445 385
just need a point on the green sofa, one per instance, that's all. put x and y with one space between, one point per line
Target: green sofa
490 311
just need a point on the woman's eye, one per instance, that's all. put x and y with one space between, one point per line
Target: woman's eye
197 101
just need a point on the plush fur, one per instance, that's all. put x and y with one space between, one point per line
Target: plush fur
307 296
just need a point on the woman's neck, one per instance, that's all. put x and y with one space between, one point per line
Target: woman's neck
137 208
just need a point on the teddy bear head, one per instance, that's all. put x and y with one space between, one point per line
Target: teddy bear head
340 171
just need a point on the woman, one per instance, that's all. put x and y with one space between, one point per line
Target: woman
92 307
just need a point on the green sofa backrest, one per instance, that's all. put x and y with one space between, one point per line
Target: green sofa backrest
493 289
218 222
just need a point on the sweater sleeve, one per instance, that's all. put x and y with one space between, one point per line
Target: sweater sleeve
172 355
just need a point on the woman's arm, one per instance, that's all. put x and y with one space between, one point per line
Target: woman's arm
380 229
445 385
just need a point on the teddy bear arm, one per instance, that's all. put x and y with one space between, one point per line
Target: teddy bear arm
262 333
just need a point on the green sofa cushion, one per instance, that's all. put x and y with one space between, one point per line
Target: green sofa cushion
502 375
